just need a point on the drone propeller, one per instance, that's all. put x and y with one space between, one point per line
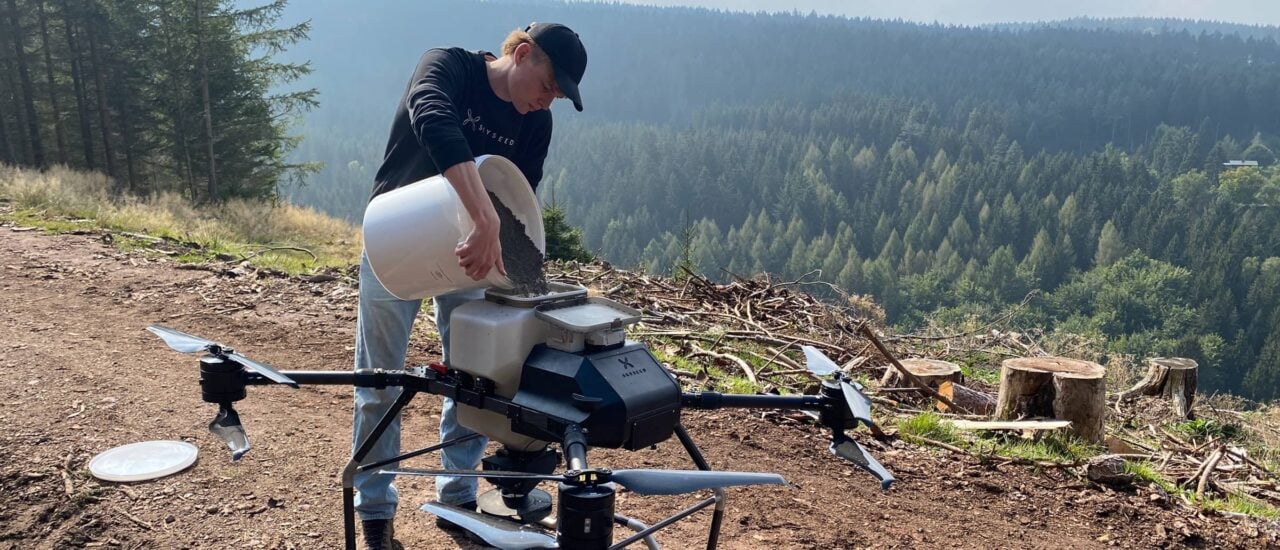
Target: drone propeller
181 341
677 482
187 343
641 482
848 449
818 363
227 427
859 404
497 532
859 407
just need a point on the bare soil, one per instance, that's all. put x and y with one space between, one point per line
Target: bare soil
79 375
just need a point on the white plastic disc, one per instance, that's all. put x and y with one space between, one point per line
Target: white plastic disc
143 461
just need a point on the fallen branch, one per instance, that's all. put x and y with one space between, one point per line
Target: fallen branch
134 519
742 363
275 248
1210 464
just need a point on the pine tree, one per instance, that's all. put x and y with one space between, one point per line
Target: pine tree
564 242
1110 246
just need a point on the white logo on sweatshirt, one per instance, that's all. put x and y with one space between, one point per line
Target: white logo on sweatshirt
473 121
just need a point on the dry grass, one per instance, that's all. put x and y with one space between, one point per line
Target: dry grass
59 199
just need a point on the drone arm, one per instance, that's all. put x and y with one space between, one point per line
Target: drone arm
363 379
716 400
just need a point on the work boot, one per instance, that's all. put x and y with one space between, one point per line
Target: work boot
446 525
379 534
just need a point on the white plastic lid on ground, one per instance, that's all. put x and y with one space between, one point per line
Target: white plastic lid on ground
143 461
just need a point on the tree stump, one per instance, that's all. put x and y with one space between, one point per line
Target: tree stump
931 371
1055 387
944 377
1173 378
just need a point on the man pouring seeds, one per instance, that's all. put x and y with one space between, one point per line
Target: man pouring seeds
458 105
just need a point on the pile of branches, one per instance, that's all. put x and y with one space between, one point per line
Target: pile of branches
756 326
1214 463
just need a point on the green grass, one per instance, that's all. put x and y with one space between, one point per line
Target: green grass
1053 447
61 200
976 366
929 425
736 384
726 379
1203 430
1244 506
1146 472
658 346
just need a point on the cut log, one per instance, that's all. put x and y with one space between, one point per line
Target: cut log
1173 378
932 371
975 401
1055 387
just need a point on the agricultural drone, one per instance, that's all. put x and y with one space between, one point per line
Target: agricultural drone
533 374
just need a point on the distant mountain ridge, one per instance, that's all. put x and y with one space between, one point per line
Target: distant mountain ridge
1153 25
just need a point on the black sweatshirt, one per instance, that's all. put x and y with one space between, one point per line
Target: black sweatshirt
449 114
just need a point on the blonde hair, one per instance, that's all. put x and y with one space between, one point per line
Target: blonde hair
518 37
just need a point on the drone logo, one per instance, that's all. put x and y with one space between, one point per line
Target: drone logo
629 368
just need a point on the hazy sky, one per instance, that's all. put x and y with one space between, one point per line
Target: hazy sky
971 12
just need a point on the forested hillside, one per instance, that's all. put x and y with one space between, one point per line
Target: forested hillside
949 172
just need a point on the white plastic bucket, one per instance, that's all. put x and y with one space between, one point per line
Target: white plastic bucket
410 233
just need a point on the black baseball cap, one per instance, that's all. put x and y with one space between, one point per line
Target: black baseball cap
568 56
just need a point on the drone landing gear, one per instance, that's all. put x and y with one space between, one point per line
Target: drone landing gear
518 499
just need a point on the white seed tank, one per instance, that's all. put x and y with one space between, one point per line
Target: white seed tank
491 338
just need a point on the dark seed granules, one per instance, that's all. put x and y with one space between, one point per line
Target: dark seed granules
519 255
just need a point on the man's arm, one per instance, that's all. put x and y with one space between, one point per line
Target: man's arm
439 83
482 250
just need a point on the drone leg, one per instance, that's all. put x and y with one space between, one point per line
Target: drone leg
636 525
679 516
349 472
717 516
419 452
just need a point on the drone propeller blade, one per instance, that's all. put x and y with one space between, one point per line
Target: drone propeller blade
848 449
228 428
264 370
498 532
676 482
859 403
500 474
181 341
818 363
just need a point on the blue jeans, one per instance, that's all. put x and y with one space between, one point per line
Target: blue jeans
383 325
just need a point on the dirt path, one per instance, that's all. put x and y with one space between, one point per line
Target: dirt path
79 375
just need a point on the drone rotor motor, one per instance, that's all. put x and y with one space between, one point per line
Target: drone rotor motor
221 380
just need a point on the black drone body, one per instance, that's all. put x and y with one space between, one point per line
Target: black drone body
613 396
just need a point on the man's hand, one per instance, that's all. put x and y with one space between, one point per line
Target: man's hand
482 249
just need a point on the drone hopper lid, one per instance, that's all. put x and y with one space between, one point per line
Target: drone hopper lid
143 461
